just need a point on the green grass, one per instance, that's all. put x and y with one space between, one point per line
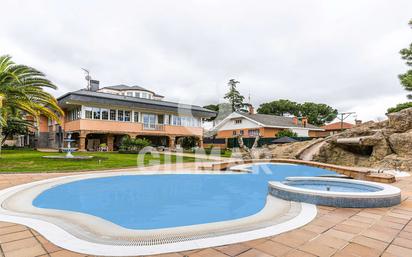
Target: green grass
227 153
32 161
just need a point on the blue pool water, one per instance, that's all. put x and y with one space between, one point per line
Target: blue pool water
162 201
334 186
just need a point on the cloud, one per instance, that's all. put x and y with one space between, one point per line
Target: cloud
343 53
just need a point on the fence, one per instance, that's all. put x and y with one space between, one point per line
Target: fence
232 142
214 141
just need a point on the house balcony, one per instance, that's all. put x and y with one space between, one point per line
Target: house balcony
118 127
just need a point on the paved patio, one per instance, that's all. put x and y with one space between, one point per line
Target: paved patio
334 232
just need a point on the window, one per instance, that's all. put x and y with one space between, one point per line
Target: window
166 119
129 93
105 114
136 116
253 132
144 95
96 113
238 121
126 115
112 114
137 94
89 112
120 114
160 119
241 132
176 120
234 132
74 114
149 120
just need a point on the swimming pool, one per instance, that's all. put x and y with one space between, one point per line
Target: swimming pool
154 212
171 200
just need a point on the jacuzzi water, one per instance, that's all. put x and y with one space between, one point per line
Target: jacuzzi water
334 186
164 201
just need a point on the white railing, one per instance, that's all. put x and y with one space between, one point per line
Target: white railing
152 126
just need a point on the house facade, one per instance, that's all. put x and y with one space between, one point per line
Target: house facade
266 126
334 128
103 116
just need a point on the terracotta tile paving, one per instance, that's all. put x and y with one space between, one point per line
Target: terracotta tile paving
385 232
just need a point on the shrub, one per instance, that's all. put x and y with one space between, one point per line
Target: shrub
286 133
188 142
133 144
400 107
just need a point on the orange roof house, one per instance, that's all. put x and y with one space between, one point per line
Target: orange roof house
334 128
338 126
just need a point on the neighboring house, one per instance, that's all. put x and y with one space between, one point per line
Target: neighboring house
266 126
105 115
334 128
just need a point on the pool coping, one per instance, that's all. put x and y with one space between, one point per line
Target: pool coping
59 236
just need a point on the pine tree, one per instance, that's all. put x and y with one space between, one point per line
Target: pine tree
406 78
233 96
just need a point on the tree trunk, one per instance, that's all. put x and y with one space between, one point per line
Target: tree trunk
255 144
3 138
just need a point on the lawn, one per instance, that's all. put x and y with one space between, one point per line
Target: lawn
32 161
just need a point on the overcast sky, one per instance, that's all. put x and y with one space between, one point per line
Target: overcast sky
343 53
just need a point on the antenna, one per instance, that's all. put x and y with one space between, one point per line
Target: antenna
344 116
88 77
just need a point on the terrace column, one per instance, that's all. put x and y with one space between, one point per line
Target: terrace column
110 142
132 135
82 144
172 140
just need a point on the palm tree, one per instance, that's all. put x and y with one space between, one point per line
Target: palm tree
22 89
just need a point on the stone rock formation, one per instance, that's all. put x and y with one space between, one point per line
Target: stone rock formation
381 145
386 144
401 143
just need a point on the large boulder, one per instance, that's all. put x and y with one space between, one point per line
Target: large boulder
401 143
381 147
400 121
331 153
395 162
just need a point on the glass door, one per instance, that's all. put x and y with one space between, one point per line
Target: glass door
149 121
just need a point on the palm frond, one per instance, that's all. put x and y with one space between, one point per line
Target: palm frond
22 88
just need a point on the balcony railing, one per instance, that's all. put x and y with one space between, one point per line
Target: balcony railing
151 126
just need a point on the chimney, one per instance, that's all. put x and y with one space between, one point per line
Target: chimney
94 85
251 110
304 121
295 120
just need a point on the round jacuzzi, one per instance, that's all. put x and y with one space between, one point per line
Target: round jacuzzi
336 192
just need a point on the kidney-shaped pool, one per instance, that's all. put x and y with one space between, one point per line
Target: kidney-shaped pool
171 200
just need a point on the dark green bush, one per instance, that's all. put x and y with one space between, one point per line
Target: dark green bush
286 133
134 145
400 107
